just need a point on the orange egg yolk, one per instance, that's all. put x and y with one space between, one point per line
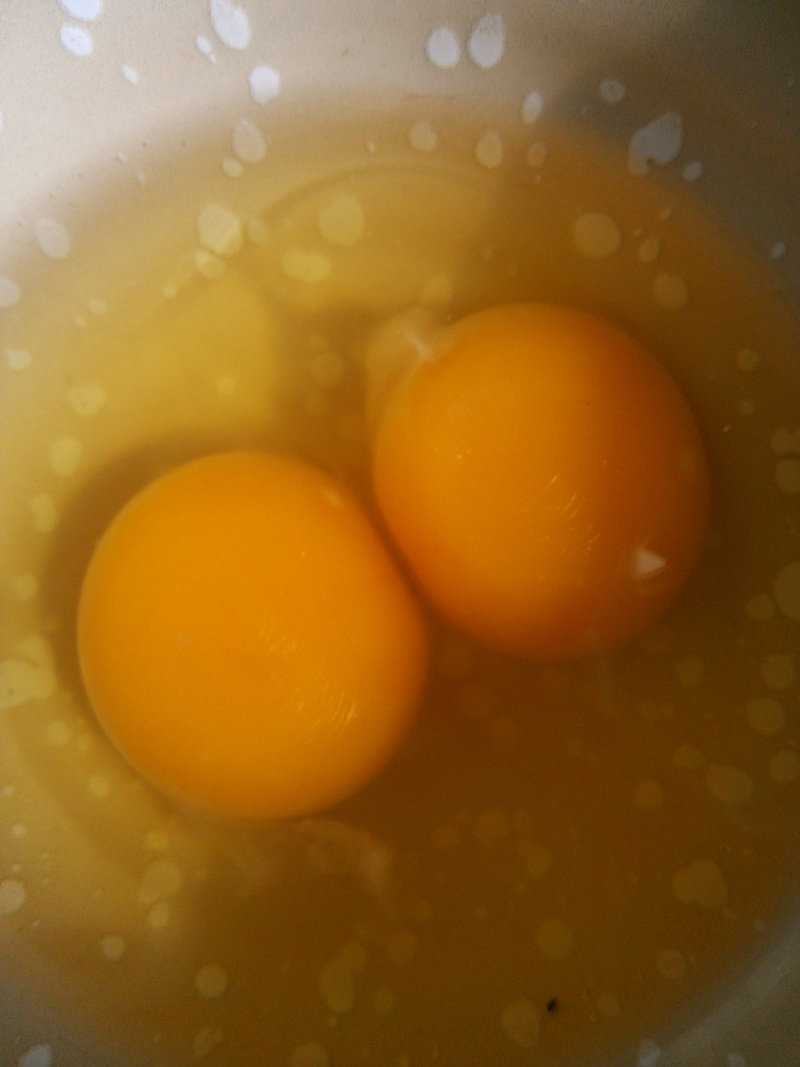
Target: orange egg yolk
246 640
544 478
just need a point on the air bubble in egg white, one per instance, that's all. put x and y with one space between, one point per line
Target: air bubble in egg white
85 10
36 1056
211 981
487 41
230 23
232 168
612 90
531 107
443 48
658 142
489 150
52 237
76 40
693 170
265 83
12 896
648 1054
130 74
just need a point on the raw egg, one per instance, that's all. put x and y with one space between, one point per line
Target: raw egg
542 474
246 640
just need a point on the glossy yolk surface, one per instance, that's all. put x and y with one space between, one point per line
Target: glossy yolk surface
246 640
545 479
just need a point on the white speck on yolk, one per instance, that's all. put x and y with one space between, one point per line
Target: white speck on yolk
612 90
76 40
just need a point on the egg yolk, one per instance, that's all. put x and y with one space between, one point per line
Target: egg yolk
246 640
543 476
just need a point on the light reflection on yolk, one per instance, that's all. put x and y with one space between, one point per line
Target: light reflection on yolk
543 476
246 640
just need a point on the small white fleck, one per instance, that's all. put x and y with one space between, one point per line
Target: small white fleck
18 358
736 1060
9 293
97 306
248 142
489 150
230 23
12 896
531 107
203 45
612 90
130 74
693 170
487 40
265 83
211 981
76 40
443 48
65 456
52 238
658 142
649 1054
113 947
36 1056
596 235
159 915
85 10
786 590
422 137
778 250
